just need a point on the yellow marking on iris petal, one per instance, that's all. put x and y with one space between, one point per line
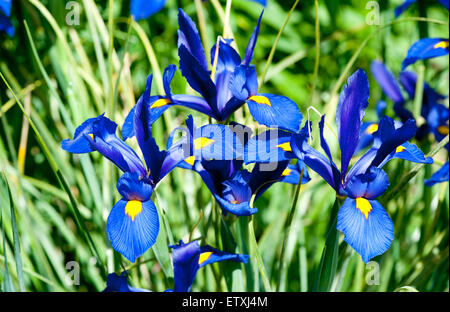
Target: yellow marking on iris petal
364 206
399 149
285 146
190 160
443 130
133 208
286 172
442 44
92 136
204 256
160 103
202 142
235 202
372 129
260 99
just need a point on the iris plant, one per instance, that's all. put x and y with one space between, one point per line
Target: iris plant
364 222
5 12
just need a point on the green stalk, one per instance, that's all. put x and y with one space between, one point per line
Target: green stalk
274 47
78 218
328 263
287 232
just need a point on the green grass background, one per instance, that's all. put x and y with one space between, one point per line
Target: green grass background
63 74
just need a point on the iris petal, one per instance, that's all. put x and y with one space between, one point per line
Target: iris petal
439 176
369 237
353 100
132 232
368 185
426 48
387 81
142 9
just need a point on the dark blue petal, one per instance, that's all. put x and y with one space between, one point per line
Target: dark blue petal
189 38
79 144
211 255
424 49
252 42
353 100
371 236
368 185
403 7
275 111
132 227
240 209
263 2
131 188
142 9
6 26
118 283
264 175
185 259
366 135
387 81
444 3
198 78
439 176
323 143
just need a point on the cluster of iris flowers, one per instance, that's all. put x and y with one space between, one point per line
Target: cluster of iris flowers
218 152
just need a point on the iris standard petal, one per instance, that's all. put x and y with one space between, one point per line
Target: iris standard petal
198 78
442 175
366 226
275 111
252 42
387 81
353 100
338 176
189 37
426 48
142 9
368 185
132 227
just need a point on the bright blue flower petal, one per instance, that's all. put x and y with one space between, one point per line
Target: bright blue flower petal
142 9
292 173
275 111
442 175
132 227
353 100
252 42
131 188
426 48
263 2
5 7
410 152
368 185
370 236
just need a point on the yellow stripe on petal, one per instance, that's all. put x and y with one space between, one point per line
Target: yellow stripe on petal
133 208
372 129
260 99
92 136
160 103
204 256
286 172
442 44
399 149
364 206
443 130
285 146
190 160
202 142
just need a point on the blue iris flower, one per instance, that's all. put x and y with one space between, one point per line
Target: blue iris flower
133 222
364 222
5 13
189 258
439 176
235 82
407 3
118 283
234 187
